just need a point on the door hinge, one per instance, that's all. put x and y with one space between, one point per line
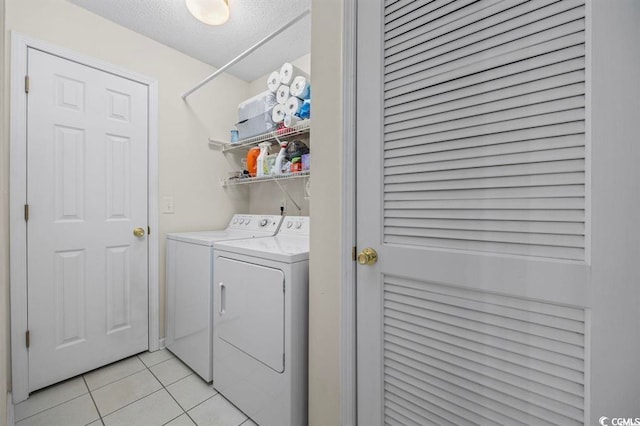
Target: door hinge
28 338
26 212
353 253
26 84
148 230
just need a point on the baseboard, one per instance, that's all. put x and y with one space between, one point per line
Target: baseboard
10 415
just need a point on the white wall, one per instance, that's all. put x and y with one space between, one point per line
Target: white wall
189 169
326 206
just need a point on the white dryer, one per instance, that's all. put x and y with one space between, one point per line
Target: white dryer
261 324
189 283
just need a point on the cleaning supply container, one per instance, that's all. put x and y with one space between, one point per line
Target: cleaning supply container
263 168
252 161
280 159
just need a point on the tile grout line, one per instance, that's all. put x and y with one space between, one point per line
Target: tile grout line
223 397
133 402
198 404
93 400
50 408
122 378
110 383
90 392
172 397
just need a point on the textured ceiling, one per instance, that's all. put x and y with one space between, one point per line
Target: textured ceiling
170 23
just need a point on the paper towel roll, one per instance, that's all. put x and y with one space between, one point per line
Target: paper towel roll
278 113
288 72
282 95
300 88
291 120
273 82
292 107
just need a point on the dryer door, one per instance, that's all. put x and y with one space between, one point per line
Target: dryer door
250 312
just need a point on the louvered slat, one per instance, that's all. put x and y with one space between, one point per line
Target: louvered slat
422 16
544 168
512 50
484 127
490 225
556 50
489 247
399 397
430 165
539 134
493 301
443 151
481 357
530 123
495 384
500 215
477 117
538 382
484 94
498 17
576 178
555 191
514 406
475 12
496 35
553 370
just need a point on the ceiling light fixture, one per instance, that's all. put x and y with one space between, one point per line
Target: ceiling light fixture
211 12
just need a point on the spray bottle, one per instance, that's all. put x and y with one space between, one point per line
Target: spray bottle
262 159
277 169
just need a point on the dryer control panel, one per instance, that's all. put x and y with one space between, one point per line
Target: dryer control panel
256 222
295 225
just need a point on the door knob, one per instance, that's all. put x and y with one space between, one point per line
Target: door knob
367 256
138 232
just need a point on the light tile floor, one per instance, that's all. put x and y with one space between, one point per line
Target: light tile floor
149 389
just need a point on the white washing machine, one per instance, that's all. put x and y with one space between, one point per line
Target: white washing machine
261 324
189 282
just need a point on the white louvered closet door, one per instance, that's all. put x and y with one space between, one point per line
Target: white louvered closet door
471 188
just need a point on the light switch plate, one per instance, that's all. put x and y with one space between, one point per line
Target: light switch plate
167 205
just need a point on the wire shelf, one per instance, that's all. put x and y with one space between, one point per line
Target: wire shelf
244 181
300 128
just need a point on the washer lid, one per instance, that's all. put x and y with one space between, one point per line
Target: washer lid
286 249
207 238
240 226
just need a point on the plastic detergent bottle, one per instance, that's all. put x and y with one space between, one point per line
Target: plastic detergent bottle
262 159
277 169
252 161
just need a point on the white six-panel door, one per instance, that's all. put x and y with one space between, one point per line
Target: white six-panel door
87 190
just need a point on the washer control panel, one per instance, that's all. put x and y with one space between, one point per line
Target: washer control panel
266 223
295 225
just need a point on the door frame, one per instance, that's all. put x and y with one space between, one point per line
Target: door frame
18 188
348 336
